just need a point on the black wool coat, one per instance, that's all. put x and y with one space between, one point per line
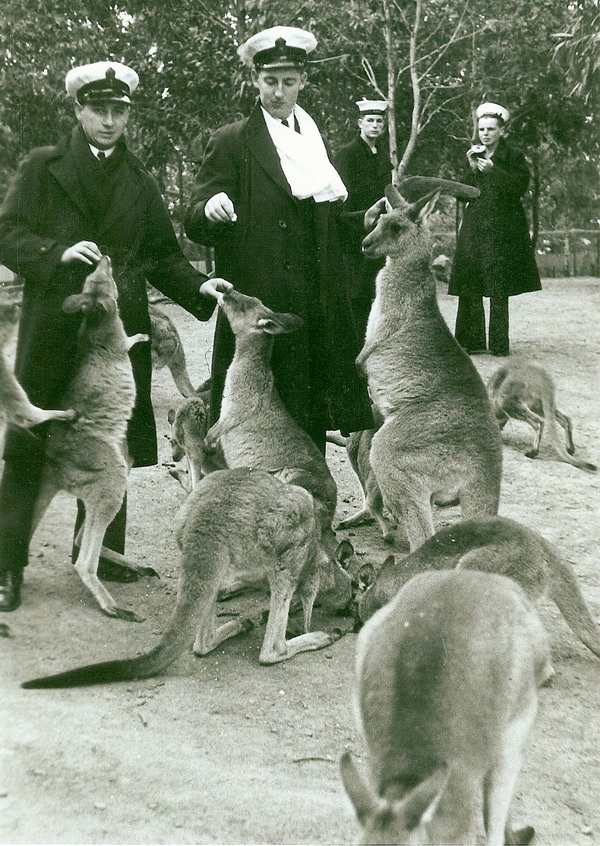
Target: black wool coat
45 211
365 175
494 256
284 251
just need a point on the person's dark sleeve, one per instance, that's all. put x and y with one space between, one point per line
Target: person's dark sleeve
27 254
512 180
166 266
219 171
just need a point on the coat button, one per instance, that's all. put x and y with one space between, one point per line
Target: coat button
283 224
43 249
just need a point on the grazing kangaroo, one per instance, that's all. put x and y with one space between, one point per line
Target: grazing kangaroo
189 425
448 674
242 525
87 457
15 407
523 390
439 437
167 350
492 545
256 430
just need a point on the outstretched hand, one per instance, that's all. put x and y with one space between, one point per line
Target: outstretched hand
85 251
215 287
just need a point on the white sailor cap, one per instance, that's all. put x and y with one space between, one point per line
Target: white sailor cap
102 82
278 47
493 110
371 107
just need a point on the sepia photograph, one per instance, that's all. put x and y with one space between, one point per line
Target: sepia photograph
300 422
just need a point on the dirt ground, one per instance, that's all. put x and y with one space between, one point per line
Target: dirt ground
221 750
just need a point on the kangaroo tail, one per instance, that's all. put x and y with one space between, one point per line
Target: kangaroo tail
567 595
178 635
549 408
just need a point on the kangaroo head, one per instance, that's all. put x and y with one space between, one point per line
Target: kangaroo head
416 817
190 419
99 292
398 226
247 316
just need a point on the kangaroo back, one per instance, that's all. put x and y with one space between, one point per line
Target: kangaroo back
167 350
448 674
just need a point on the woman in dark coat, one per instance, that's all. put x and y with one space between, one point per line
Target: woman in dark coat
494 257
283 250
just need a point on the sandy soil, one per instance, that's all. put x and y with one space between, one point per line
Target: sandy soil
221 750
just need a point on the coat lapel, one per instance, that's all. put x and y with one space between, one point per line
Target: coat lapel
261 147
63 170
125 197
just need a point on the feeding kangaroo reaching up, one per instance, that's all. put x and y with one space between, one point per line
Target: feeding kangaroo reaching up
491 545
524 390
15 407
439 438
255 429
448 675
243 525
87 457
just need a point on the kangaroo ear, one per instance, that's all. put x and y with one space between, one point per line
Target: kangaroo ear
344 552
394 197
420 806
279 324
76 302
420 210
171 416
360 795
366 576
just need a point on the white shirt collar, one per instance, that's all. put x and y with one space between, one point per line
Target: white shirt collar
289 120
96 150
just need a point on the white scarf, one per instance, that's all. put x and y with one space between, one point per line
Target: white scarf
304 159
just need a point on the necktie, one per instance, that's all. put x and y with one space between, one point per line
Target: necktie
102 158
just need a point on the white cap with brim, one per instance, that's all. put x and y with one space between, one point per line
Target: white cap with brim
102 82
371 107
493 110
278 47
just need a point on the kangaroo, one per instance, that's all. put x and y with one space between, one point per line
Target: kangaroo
87 457
492 545
255 429
15 407
439 436
167 350
238 524
448 675
189 425
523 390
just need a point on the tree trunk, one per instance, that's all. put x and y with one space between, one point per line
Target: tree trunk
391 86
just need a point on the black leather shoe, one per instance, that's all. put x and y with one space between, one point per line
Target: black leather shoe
108 571
10 590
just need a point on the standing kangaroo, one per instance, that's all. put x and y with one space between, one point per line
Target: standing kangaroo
255 429
439 437
448 674
15 407
492 545
523 390
167 350
236 525
87 457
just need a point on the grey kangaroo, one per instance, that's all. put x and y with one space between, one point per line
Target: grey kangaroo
491 545
256 430
167 350
448 677
237 525
524 390
439 437
15 407
87 457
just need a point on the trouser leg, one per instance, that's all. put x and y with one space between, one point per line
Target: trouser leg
498 332
470 324
19 490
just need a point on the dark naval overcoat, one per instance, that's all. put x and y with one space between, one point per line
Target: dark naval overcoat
494 256
286 252
48 209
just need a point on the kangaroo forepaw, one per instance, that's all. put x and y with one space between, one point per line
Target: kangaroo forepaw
148 571
361 519
533 453
521 837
